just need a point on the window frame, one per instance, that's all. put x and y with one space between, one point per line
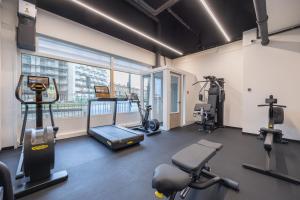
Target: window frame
178 94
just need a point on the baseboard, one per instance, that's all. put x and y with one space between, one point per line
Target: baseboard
71 134
188 123
255 134
233 127
248 133
8 148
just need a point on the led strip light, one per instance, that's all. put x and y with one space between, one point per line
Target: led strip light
130 28
215 20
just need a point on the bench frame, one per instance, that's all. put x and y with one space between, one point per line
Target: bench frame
205 171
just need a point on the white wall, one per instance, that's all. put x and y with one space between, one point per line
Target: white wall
8 69
283 14
224 62
273 69
0 71
61 28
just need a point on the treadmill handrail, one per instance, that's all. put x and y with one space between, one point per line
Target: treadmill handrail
112 99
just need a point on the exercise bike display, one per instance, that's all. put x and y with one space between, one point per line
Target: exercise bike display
150 127
37 157
270 135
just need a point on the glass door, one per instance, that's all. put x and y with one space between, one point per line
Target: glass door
158 96
146 87
175 115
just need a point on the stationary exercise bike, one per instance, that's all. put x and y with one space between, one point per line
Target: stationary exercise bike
270 135
37 157
150 127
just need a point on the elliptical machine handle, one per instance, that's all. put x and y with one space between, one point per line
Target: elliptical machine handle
56 91
17 91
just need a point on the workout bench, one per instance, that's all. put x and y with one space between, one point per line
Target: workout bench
190 164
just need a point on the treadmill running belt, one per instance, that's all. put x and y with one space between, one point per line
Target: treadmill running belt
113 133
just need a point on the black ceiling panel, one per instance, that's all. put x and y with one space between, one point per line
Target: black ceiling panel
155 3
235 15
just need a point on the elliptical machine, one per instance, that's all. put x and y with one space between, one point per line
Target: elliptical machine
37 157
270 135
210 115
150 127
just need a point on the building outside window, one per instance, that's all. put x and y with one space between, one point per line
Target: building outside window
75 84
125 84
76 81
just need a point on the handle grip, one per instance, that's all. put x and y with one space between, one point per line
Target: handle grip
17 92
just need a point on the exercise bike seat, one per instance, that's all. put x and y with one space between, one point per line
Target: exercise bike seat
193 158
167 179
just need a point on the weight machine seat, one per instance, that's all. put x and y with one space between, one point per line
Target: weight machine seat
206 107
168 179
193 158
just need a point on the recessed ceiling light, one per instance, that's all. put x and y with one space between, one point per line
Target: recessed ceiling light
215 20
128 27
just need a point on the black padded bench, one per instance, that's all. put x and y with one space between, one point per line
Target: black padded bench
189 164
195 156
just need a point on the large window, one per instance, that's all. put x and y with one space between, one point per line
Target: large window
125 84
75 84
59 60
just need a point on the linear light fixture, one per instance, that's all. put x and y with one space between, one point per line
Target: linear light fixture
215 20
130 28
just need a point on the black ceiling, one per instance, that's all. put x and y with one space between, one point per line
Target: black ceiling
235 15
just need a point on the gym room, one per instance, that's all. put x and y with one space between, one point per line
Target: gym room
149 99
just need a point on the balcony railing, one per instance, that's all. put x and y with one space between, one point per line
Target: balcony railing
71 109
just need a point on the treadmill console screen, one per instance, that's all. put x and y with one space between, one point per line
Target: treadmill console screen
102 92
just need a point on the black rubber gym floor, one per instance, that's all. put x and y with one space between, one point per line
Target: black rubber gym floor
97 173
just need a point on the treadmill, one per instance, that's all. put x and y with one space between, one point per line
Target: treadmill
113 136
